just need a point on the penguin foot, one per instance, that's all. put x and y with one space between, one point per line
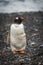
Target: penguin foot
22 51
15 52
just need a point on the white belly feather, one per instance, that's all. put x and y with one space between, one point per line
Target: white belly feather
17 36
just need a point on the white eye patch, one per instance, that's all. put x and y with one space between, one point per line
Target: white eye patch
17 18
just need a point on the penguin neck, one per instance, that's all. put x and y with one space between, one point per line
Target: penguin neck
18 25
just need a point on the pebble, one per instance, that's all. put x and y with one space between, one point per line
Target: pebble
34 50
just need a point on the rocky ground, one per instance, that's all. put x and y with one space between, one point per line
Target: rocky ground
34 32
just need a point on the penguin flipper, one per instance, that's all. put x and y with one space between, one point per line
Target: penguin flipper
8 38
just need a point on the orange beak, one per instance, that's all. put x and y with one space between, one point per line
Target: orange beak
23 18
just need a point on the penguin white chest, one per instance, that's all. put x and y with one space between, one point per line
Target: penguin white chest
17 37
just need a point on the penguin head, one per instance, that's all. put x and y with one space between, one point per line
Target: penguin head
18 20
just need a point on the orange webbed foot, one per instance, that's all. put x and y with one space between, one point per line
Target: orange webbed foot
22 51
15 52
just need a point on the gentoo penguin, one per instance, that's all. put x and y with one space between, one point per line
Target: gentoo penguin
17 36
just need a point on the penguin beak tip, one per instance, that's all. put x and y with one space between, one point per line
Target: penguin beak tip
23 18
